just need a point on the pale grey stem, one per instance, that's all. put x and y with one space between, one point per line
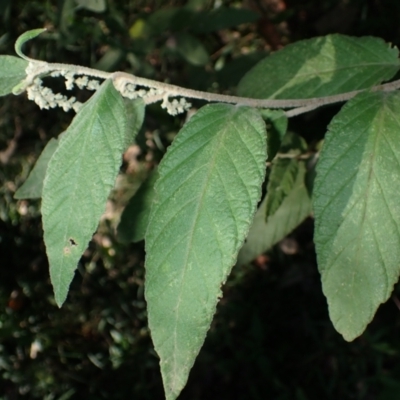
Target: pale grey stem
301 110
303 105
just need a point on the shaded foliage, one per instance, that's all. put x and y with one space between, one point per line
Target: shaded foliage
271 336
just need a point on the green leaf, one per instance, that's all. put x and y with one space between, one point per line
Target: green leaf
295 208
134 111
321 67
222 18
233 70
293 144
169 19
98 6
12 72
135 217
277 123
281 181
110 60
24 38
79 177
207 193
32 187
191 49
357 211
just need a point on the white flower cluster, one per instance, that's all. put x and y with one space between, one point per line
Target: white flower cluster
175 106
45 98
83 82
131 91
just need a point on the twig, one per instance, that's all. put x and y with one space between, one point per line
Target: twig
121 79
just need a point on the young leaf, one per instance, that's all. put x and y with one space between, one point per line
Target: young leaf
12 71
23 39
135 217
79 177
357 211
206 196
321 67
281 182
32 187
295 208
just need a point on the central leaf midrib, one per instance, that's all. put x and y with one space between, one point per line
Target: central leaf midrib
221 133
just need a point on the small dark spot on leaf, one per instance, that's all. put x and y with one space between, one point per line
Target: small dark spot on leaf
72 242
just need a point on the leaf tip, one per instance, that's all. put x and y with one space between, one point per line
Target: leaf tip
60 298
24 38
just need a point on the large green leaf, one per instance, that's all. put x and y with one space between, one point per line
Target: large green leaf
320 67
79 177
206 196
357 211
32 187
12 72
295 208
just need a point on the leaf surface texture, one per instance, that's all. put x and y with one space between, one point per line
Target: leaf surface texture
79 178
206 196
357 212
320 67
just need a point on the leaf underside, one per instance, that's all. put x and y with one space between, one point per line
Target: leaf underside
206 197
357 212
320 67
79 177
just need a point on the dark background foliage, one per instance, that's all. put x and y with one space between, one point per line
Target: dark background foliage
271 336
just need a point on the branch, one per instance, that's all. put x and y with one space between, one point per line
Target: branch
158 90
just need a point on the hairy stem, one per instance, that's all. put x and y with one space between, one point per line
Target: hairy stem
299 106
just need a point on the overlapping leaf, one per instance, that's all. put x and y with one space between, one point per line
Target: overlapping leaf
357 211
284 168
277 123
32 187
281 182
135 217
79 177
320 67
12 72
206 196
295 208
